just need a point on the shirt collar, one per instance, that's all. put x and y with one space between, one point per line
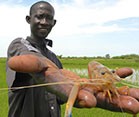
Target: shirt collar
47 42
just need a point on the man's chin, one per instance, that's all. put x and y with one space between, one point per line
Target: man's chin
42 35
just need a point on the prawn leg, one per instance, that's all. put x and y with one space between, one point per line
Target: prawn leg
109 94
71 99
123 90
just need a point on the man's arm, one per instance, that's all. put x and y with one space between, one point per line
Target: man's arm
45 68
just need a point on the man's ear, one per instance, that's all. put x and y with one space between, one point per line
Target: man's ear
54 22
28 19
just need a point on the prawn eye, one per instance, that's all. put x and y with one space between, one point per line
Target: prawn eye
102 73
113 71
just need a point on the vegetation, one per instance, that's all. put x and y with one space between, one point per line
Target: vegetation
3 94
107 56
111 63
130 56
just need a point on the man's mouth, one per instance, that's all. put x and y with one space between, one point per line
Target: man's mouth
43 29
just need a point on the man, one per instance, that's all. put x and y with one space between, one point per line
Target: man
36 102
33 102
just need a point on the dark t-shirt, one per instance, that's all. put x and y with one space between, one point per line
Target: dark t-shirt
31 102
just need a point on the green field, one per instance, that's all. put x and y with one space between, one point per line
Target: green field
3 94
71 64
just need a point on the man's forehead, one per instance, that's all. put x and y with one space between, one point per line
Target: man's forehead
43 7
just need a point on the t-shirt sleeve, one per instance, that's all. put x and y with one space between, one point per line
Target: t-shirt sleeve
18 47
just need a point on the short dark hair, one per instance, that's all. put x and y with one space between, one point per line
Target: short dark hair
31 8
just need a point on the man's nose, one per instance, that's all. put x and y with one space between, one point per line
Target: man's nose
44 21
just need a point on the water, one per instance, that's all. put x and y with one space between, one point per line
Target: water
80 72
134 78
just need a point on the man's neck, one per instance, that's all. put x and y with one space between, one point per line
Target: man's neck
38 40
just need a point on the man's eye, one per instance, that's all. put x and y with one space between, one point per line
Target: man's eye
49 18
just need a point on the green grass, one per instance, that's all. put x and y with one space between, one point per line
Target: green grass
82 64
94 112
3 94
111 63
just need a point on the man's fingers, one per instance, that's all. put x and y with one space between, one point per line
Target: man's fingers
86 99
134 93
126 103
122 103
124 72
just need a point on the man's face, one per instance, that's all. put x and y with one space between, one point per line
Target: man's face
42 20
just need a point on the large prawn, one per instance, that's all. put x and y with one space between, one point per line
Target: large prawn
80 92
